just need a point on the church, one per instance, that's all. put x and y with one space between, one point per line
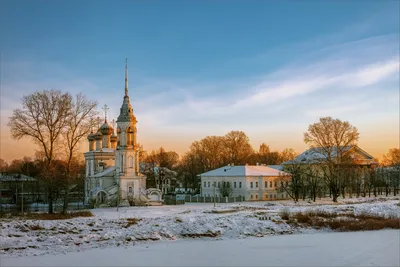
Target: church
112 163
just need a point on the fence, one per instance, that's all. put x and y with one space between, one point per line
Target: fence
38 207
200 199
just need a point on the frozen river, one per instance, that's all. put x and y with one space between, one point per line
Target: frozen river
374 248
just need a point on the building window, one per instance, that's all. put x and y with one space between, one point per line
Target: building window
219 185
256 196
240 184
208 184
256 184
251 196
130 189
266 196
205 184
287 183
251 184
234 184
266 184
274 195
270 196
276 183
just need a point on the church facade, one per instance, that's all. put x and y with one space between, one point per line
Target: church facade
112 163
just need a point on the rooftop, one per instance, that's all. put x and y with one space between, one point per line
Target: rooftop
244 171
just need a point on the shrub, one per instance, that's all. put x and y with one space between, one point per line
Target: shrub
59 216
285 214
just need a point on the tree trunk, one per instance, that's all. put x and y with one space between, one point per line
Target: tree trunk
50 189
65 204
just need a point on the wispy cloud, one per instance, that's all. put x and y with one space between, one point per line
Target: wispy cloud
349 66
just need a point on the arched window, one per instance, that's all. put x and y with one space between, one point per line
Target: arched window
130 162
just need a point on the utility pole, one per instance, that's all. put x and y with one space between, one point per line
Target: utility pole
215 185
22 198
119 192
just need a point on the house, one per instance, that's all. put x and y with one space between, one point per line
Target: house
251 182
13 186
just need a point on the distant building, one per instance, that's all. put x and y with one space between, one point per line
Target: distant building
251 182
12 186
317 155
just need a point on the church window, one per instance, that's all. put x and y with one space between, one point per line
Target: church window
130 162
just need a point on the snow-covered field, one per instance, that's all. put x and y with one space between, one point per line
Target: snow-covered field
161 224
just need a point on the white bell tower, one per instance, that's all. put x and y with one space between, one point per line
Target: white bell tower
132 183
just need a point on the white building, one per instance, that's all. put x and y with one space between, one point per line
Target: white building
112 162
252 182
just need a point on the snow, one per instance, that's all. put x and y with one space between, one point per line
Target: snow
374 248
163 224
243 171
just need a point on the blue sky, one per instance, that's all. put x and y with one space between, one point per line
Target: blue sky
197 68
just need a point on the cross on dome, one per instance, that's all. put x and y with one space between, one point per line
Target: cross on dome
105 108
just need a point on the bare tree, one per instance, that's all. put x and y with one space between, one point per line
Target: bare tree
293 184
79 124
43 117
237 147
391 162
333 138
3 166
225 189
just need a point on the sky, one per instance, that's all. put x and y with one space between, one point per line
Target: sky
199 68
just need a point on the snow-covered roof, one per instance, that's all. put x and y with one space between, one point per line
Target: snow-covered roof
243 171
317 154
16 178
276 167
105 172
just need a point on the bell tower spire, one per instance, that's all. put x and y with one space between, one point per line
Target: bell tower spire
126 77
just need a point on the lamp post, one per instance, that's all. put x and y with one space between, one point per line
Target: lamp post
214 185
162 179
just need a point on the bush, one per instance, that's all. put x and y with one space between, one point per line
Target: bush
285 214
59 216
352 222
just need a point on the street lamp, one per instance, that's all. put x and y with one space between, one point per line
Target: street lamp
214 185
